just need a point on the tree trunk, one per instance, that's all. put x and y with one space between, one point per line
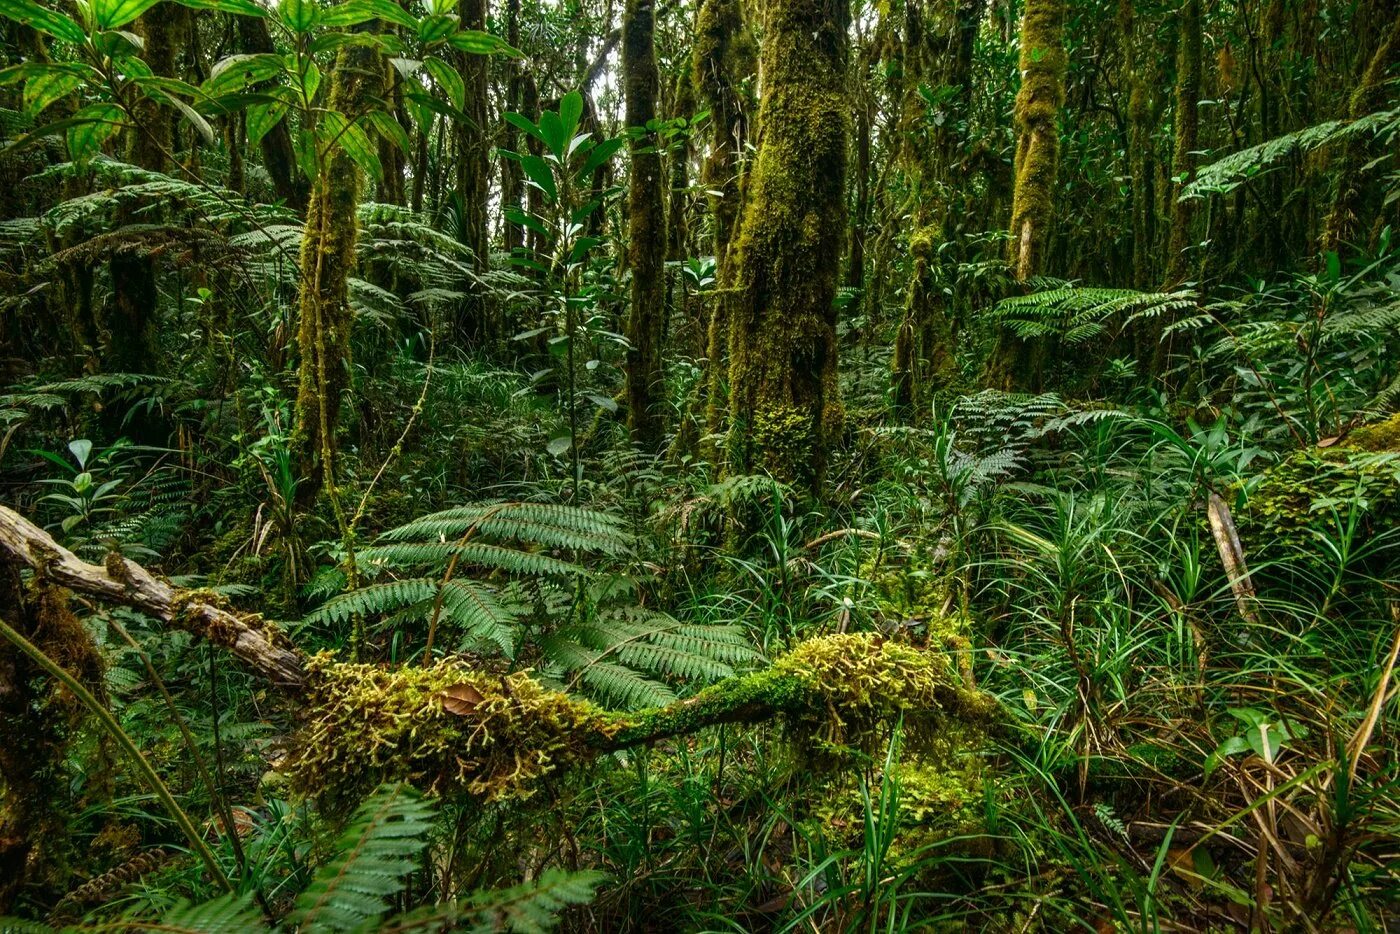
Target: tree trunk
784 399
473 175
1037 111
646 251
724 57
1344 222
327 256
279 158
1186 128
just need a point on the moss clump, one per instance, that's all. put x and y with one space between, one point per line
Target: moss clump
448 729
1377 437
367 724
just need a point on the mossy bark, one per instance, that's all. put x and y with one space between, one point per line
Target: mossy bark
724 59
923 359
1038 104
785 404
647 234
1037 111
1345 223
512 178
327 256
1136 80
473 176
1186 130
130 318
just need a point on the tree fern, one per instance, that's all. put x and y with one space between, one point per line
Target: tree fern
378 848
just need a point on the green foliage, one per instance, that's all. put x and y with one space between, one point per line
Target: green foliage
1079 315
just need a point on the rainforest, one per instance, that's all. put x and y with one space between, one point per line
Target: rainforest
699 466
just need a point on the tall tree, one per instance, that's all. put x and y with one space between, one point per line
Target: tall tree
1038 104
1186 129
1344 220
724 58
785 403
646 211
327 256
473 172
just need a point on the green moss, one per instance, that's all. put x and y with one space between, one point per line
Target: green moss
448 729
367 724
1377 437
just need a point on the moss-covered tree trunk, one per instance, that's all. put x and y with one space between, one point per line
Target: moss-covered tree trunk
512 179
1137 85
327 256
785 404
1345 222
724 58
1186 131
923 349
646 211
473 175
1038 104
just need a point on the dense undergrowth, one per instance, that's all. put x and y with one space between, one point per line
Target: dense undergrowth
1180 747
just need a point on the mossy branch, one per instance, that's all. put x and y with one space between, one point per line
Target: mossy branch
450 728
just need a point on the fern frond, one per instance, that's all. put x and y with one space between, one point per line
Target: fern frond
546 524
222 915
474 607
529 908
376 599
379 847
471 554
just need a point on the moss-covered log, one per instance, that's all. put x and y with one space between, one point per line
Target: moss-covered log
785 405
646 212
327 256
454 730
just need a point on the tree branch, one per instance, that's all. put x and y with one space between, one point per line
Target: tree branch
249 638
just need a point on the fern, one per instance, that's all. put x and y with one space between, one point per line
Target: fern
378 848
546 524
529 908
1078 315
1229 172
223 915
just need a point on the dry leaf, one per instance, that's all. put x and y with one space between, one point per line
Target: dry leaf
461 699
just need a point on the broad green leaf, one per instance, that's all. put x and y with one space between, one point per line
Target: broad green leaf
524 123
476 42
350 137
570 112
389 128
236 7
598 155
304 144
262 118
94 125
43 89
297 15
113 14
354 12
436 28
449 79
27 70
239 72
556 138
43 19
540 174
